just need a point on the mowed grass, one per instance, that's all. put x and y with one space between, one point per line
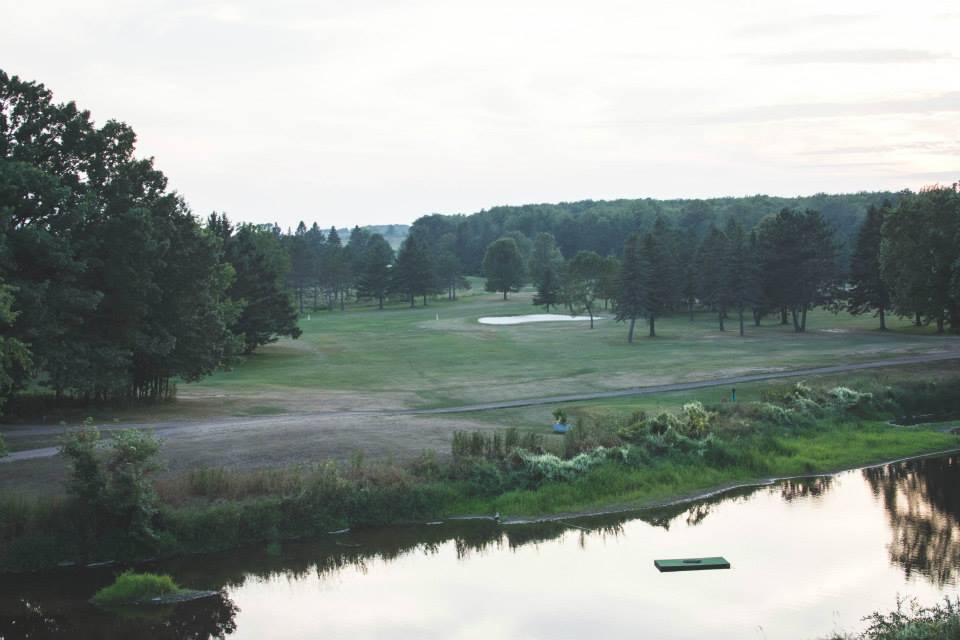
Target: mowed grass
441 356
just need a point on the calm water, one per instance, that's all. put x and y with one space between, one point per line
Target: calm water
808 557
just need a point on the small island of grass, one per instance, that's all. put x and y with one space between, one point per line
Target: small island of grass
138 588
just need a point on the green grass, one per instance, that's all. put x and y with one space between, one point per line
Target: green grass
830 448
133 588
454 360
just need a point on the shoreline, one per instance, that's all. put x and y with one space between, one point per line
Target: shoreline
695 496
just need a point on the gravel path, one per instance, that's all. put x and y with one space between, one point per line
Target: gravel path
278 424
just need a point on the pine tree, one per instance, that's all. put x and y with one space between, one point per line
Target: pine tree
548 292
867 291
413 274
375 271
630 301
660 273
740 273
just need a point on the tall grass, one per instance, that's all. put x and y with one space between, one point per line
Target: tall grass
132 588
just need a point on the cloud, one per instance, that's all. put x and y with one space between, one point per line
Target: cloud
848 56
933 146
943 102
805 23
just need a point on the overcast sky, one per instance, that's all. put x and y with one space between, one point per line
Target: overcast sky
356 112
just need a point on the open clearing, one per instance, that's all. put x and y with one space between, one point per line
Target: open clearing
534 317
343 388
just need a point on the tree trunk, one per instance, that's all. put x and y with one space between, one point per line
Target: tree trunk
413 300
720 315
653 330
796 320
380 301
633 322
741 323
424 299
916 321
690 309
803 321
590 311
783 315
504 294
940 323
883 319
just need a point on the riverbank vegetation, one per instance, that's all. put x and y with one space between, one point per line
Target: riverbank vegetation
940 621
115 508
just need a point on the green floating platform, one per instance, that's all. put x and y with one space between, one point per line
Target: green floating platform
691 564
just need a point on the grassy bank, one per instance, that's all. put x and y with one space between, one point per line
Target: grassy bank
609 459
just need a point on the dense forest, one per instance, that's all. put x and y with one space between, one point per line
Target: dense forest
112 289
602 226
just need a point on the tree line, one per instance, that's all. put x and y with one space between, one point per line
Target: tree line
602 226
905 260
110 287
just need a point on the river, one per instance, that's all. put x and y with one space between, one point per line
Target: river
808 557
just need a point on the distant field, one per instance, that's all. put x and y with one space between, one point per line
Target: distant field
441 356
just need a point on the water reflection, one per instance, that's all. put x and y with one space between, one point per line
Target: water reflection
922 502
826 533
213 617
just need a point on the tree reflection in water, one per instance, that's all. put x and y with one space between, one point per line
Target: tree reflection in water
922 501
202 619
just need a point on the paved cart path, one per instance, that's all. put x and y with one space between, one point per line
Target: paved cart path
173 428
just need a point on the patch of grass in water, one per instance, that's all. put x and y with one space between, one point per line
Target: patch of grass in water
131 588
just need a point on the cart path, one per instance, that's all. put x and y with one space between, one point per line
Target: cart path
172 428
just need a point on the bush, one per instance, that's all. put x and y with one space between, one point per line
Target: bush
939 622
131 588
663 422
844 399
696 419
3 446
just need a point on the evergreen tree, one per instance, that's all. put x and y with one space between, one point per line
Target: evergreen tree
374 279
867 291
549 293
799 261
503 266
265 308
660 273
712 280
630 301
742 282
413 273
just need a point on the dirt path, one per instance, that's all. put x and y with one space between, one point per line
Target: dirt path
359 430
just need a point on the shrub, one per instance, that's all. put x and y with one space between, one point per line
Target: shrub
696 419
844 399
939 622
663 422
131 588
3 446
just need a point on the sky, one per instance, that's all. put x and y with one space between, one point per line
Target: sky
378 112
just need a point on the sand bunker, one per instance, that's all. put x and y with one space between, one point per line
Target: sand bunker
535 317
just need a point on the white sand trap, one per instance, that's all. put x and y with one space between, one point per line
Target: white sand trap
534 317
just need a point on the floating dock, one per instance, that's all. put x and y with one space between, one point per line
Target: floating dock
691 564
